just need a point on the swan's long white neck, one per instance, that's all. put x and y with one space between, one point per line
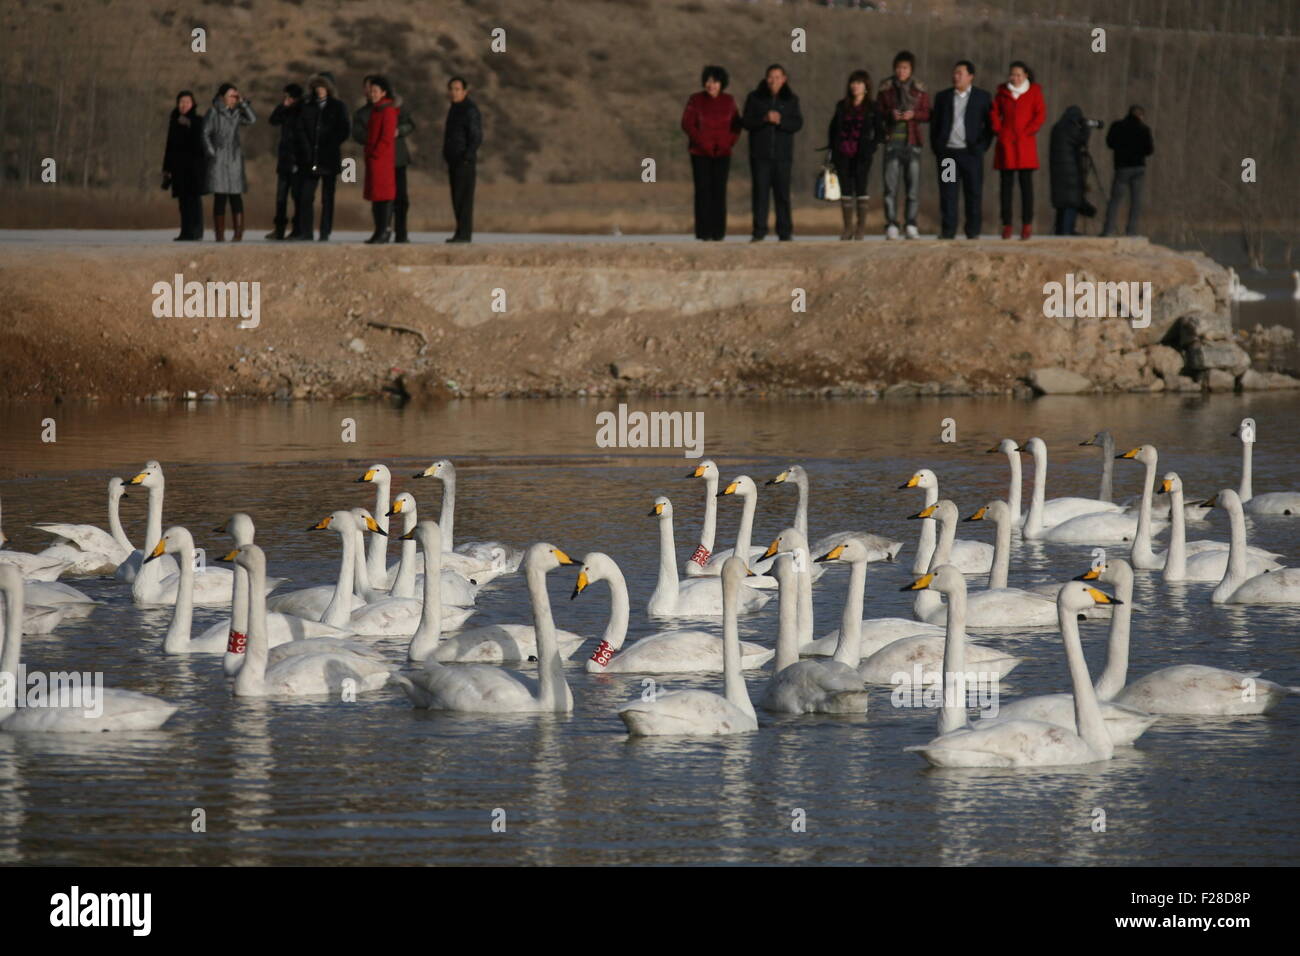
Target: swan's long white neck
619 607
1235 573
1176 556
801 510
149 575
1034 520
551 686
787 621
709 534
339 611
1115 674
667 586
115 521
1143 556
804 579
746 530
1001 554
1014 488
928 601
732 676
447 516
1087 712
11 654
1245 492
429 631
251 679
361 569
1107 490
848 650
404 583
178 632
377 556
952 714
925 543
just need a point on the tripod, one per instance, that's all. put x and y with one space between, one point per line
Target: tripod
1091 167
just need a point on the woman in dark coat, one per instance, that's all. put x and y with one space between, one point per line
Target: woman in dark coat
712 125
226 157
1068 148
1019 112
855 130
184 165
381 156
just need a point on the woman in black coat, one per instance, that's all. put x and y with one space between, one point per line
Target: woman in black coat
855 130
184 165
1066 161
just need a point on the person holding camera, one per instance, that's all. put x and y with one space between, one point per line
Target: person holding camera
288 171
1019 112
322 130
1067 163
1130 140
183 165
225 176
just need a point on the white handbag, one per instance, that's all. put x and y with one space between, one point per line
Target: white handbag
828 185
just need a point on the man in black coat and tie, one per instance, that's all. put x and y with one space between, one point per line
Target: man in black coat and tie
961 130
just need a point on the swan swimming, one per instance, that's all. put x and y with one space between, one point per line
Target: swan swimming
1044 515
1238 587
90 549
481 560
704 561
1272 502
1199 560
695 597
971 557
1113 525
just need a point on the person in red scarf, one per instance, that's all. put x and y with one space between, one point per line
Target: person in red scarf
381 157
712 125
1018 114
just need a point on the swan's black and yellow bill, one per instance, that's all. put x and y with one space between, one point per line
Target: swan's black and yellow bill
229 556
323 524
920 584
368 476
924 512
1092 574
1131 453
138 478
396 509
656 511
978 515
1101 597
772 548
580 585
779 478
561 556
912 482
1166 486
373 527
697 473
729 490
157 552
832 555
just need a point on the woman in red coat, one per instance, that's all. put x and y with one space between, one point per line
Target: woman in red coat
1018 114
381 156
712 124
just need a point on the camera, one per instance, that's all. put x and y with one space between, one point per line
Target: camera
1094 124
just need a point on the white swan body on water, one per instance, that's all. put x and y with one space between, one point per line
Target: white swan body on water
970 557
999 606
744 488
666 652
33 567
1124 723
814 686
406 578
1269 503
112 710
313 669
482 688
1011 450
799 476
1044 515
91 549
481 560
377 551
1016 743
1238 586
1238 292
1111 525
695 597
1189 690
331 604
705 561
1201 560
700 712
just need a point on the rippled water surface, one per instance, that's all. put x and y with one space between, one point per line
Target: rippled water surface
324 782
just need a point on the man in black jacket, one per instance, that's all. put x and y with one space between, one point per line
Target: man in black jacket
772 117
323 129
1130 140
288 171
405 127
961 130
460 142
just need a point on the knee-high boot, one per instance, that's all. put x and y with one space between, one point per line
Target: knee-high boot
219 224
860 230
239 227
846 210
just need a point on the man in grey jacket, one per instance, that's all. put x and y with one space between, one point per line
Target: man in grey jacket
405 127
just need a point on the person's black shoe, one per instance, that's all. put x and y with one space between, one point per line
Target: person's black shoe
458 239
757 238
401 237
324 237
379 238
785 238
297 237
947 235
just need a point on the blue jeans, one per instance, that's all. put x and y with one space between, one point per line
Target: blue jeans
902 163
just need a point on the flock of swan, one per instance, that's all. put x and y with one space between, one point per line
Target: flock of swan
319 640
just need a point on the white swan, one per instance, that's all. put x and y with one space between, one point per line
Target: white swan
377 551
480 560
33 567
1270 503
1043 514
1111 525
1191 690
696 597
667 652
999 606
331 604
1193 510
705 561
1238 587
1106 443
812 686
1016 743
91 549
700 712
1295 288
744 488
110 710
1124 723
1011 450
1238 292
971 557
1200 560
482 688
798 475
316 667
403 578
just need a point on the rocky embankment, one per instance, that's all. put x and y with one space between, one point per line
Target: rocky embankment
430 321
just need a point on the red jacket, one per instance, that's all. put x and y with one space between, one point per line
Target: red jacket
1016 122
381 152
712 123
